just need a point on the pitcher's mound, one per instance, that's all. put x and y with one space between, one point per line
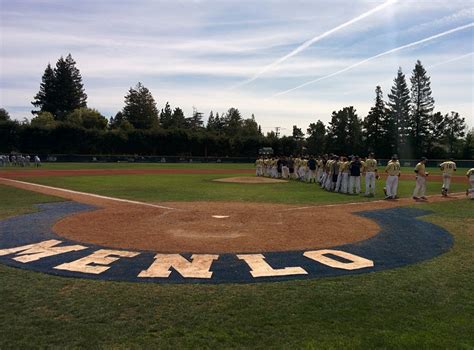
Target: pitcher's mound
250 180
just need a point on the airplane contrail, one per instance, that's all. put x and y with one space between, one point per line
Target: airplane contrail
451 60
310 42
415 43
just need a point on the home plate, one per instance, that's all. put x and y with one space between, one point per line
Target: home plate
220 216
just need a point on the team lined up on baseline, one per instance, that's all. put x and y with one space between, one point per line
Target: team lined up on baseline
343 174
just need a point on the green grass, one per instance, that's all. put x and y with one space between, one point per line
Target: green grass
427 305
123 165
159 188
15 202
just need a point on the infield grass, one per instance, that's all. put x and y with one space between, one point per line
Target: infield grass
179 187
426 305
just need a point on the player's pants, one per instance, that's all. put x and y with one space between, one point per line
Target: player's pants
328 182
345 183
338 182
258 171
319 176
354 181
302 172
446 181
285 172
420 187
392 186
471 190
311 175
322 179
369 182
274 171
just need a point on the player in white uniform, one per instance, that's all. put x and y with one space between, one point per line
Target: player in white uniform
470 176
393 173
447 168
421 174
370 168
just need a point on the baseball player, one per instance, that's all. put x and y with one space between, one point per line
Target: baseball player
354 180
312 165
447 168
370 168
393 173
421 174
470 176
344 169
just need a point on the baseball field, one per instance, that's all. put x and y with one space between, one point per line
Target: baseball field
164 256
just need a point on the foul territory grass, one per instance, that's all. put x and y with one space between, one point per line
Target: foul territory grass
426 305
179 187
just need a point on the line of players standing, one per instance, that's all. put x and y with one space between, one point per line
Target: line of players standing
333 173
19 160
343 174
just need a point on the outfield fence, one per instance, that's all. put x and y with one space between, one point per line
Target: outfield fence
66 158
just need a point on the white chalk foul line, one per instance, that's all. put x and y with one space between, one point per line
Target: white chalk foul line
457 195
87 194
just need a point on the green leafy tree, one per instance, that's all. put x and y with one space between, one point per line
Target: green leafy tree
468 146
337 131
250 127
434 140
399 103
316 141
454 129
140 108
45 120
422 105
4 115
87 118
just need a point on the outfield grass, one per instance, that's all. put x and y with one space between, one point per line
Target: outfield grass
125 165
426 305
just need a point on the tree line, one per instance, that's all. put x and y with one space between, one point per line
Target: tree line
63 123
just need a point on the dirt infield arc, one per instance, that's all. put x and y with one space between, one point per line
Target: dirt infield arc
212 227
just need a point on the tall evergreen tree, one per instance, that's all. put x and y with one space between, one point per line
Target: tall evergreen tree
377 127
232 122
61 89
46 99
250 127
422 105
354 143
178 119
399 102
68 88
140 108
166 117
195 122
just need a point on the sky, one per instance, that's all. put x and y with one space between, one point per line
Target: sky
287 62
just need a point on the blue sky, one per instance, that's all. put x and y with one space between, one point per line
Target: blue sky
214 55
